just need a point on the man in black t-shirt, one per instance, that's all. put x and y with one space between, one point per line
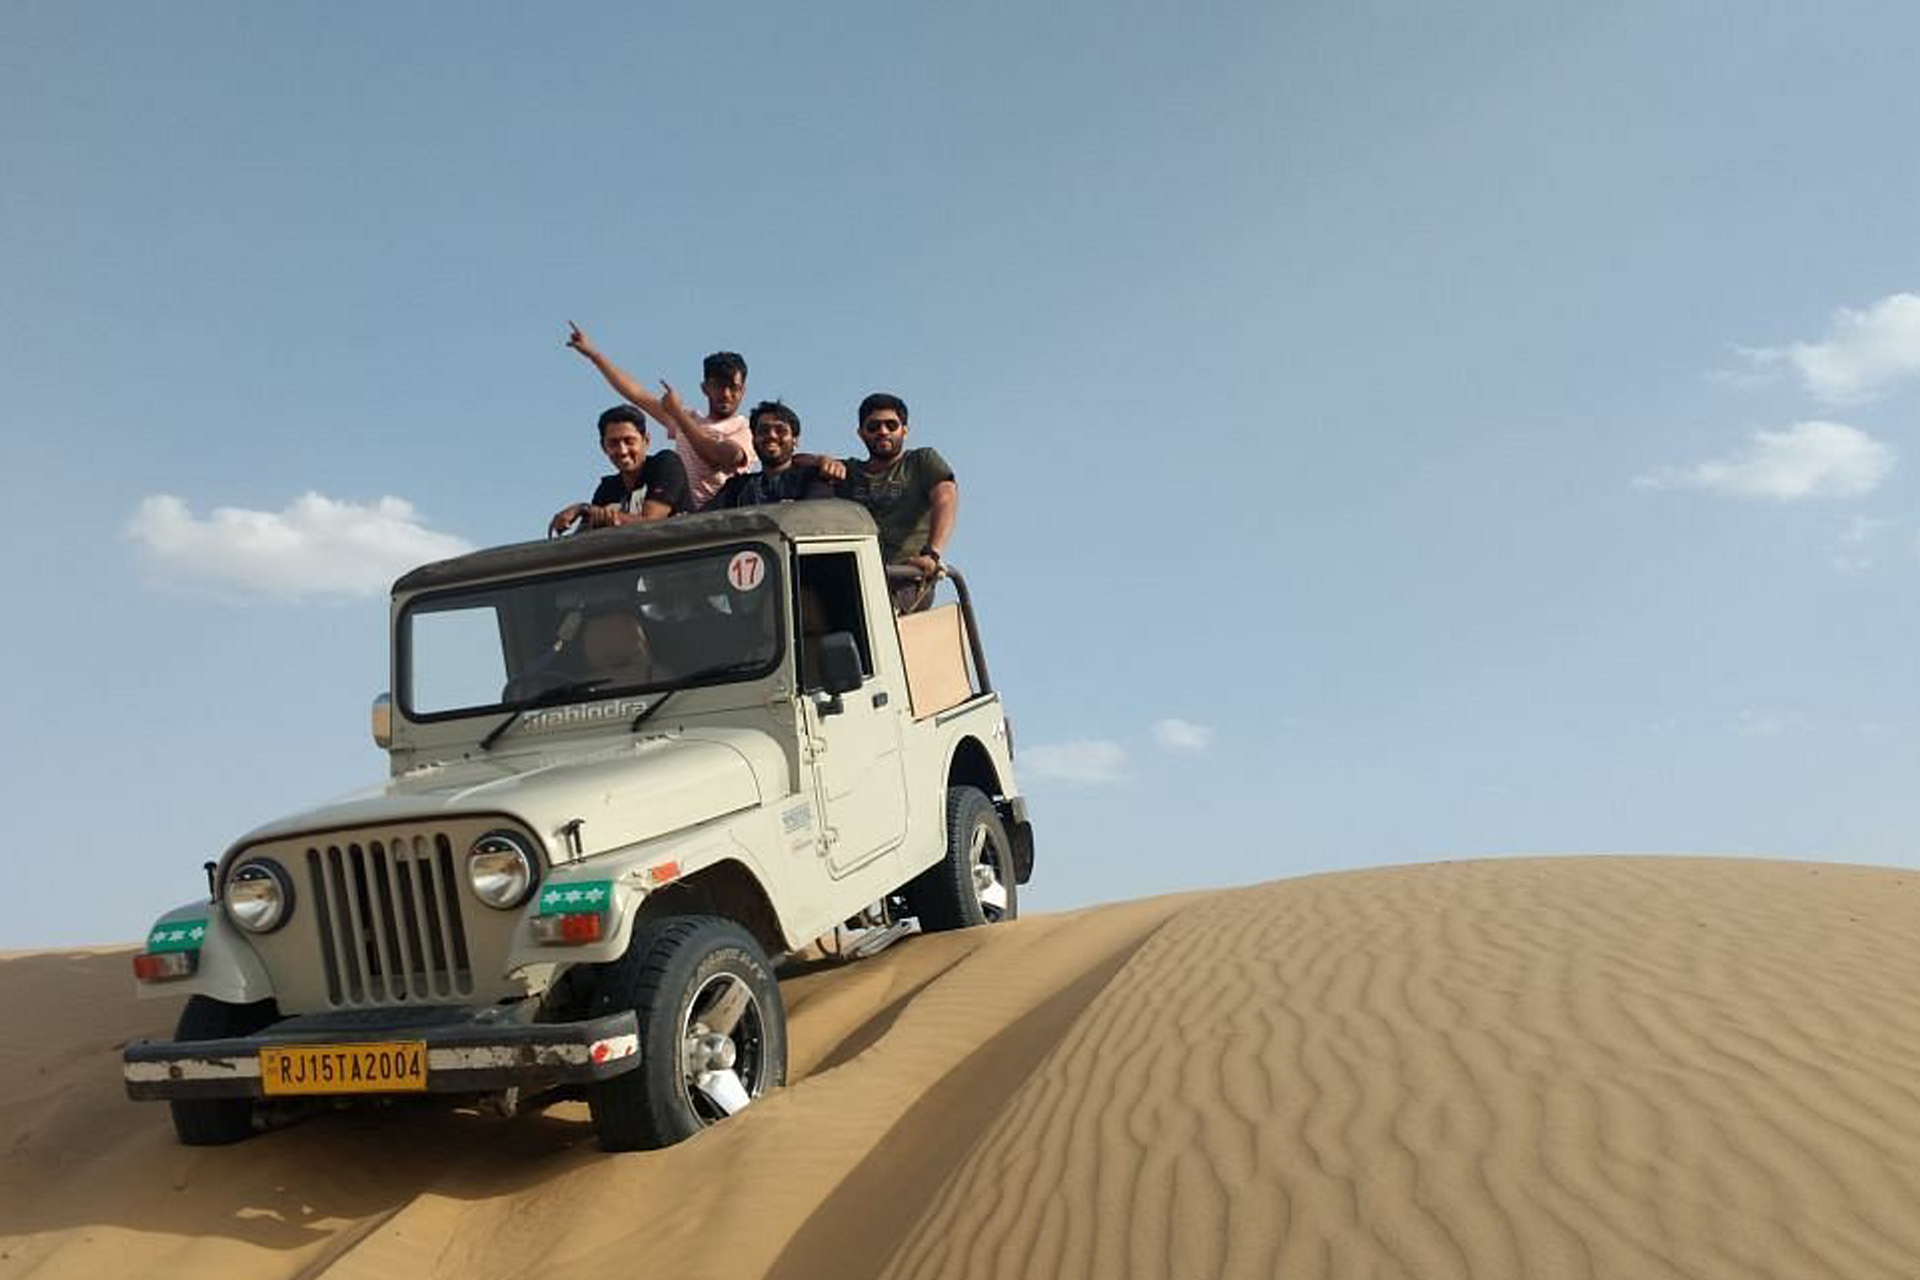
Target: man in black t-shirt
642 487
776 432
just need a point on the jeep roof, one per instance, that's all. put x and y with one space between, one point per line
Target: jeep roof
815 518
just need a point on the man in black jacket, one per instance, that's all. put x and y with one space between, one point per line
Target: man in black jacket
782 476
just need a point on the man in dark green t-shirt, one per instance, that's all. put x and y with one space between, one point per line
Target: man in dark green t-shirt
910 492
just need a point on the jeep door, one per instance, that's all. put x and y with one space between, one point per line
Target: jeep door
859 777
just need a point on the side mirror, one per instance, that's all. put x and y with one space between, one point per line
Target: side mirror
839 658
840 663
383 721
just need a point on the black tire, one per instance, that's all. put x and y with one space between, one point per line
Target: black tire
974 883
215 1122
677 971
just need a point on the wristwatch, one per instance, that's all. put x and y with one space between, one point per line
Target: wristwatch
929 550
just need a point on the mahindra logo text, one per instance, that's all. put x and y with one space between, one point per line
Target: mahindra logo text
588 713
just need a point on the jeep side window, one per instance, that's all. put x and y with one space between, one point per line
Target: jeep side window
827 599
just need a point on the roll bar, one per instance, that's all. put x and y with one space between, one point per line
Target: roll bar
902 575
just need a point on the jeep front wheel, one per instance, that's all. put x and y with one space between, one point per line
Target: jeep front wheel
213 1122
713 1032
974 883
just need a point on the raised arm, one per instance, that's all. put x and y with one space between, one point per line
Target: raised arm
620 380
714 449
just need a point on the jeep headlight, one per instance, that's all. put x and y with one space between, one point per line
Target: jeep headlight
500 869
259 896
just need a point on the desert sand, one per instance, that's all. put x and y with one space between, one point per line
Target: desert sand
1543 1068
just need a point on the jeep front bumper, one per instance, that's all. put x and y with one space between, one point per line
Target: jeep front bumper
467 1051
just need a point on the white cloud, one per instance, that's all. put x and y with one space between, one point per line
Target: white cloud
1182 735
316 547
1853 546
1864 354
1807 460
1092 761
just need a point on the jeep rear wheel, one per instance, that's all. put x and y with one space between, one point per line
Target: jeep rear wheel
213 1122
974 883
713 1032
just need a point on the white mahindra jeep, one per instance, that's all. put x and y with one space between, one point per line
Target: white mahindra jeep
627 768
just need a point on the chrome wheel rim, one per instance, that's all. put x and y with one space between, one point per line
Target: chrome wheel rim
985 859
723 1059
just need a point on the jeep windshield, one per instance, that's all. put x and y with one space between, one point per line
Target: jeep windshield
702 618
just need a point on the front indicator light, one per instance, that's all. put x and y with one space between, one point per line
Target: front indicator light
570 929
166 966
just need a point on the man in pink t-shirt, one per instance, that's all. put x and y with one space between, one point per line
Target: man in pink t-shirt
716 445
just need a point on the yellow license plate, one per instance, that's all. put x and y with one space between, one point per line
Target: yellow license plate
400 1067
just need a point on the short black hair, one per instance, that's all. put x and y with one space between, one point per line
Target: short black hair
774 409
623 413
882 400
722 365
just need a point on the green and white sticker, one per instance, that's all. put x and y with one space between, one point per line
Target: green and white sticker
176 935
576 896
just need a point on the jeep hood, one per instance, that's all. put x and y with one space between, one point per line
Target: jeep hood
623 792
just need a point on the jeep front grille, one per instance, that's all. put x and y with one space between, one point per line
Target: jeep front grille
388 915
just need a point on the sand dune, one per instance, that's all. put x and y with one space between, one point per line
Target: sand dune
1619 1067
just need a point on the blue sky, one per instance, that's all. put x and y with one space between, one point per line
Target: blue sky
1384 433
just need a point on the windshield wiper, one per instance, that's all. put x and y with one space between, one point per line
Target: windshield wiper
650 708
560 692
704 673
541 699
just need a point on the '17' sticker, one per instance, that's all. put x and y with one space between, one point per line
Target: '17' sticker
746 570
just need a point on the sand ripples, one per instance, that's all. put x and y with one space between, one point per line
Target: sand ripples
1606 1067
1598 1067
